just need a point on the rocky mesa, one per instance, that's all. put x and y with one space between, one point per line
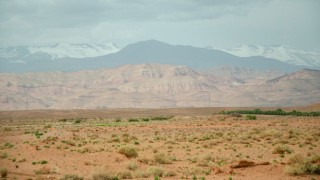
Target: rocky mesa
157 86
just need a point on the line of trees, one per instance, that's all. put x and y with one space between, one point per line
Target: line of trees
274 112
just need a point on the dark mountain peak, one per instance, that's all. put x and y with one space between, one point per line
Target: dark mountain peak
154 41
148 44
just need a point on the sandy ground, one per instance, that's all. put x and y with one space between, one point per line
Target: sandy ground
193 143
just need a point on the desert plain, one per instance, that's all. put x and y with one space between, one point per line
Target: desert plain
183 143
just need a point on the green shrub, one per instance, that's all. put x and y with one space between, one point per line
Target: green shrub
145 119
129 152
282 150
251 117
274 112
38 134
118 119
161 118
71 177
7 146
77 121
43 162
295 169
133 120
3 156
301 169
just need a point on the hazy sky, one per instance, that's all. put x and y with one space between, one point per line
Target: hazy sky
220 23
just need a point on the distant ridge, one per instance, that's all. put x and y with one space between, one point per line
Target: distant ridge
310 58
157 86
58 51
150 51
311 73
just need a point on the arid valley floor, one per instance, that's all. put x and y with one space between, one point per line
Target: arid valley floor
196 143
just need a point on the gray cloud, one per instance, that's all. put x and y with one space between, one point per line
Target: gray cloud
222 23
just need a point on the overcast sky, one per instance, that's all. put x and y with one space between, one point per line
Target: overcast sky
220 23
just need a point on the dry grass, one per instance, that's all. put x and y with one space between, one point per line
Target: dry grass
178 148
129 152
282 149
300 165
71 177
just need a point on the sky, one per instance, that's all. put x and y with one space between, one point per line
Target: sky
201 23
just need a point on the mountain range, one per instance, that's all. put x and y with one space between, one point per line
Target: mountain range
310 58
150 51
157 86
58 51
153 74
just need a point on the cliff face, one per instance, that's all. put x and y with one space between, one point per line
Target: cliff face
157 86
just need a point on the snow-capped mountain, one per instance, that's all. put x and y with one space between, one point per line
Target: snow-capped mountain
150 51
286 54
59 50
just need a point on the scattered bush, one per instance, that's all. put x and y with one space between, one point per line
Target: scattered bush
43 162
156 171
161 118
71 177
129 152
38 134
299 165
141 174
296 159
3 172
274 112
104 174
63 120
161 158
125 175
40 162
132 166
7 146
235 114
43 170
251 117
3 156
47 126
7 129
295 169
118 119
133 120
170 174
282 150
301 169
